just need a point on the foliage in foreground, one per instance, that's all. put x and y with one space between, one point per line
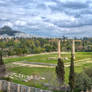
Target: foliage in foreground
83 80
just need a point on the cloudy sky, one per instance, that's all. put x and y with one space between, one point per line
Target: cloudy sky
49 18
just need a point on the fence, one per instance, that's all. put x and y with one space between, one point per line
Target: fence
13 87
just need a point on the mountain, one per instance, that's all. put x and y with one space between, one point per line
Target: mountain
9 31
6 32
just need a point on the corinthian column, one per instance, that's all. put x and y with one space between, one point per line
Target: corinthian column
73 48
59 49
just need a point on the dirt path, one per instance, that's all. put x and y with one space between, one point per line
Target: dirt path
32 65
77 63
46 53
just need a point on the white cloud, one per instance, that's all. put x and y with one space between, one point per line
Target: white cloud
8 24
60 17
56 16
2 2
20 23
50 3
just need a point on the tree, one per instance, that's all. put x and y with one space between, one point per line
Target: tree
18 51
2 66
83 81
60 71
88 71
72 74
60 66
48 47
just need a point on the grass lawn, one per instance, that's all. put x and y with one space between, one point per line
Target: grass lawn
45 58
48 73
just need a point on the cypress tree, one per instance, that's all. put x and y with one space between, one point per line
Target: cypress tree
60 71
2 66
60 67
72 74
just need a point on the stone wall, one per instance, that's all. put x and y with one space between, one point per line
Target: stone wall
13 87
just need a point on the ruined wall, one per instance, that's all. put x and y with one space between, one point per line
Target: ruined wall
13 87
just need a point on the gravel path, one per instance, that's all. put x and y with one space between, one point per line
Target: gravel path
45 65
32 65
46 53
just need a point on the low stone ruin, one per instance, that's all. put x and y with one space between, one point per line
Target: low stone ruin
25 78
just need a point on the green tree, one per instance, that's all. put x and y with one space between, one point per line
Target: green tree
72 74
88 71
2 66
60 71
48 47
83 81
18 51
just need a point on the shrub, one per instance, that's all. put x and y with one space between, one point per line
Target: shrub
88 71
82 81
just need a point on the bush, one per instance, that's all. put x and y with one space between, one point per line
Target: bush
83 81
2 91
6 78
88 71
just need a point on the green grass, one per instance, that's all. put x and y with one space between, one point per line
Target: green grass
45 72
32 70
37 58
45 58
48 73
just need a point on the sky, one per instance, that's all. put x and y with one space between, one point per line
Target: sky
48 18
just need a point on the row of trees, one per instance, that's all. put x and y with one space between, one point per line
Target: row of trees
38 45
27 46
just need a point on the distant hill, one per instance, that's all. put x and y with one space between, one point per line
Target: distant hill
6 32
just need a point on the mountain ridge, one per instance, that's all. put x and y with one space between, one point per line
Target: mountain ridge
6 32
9 31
